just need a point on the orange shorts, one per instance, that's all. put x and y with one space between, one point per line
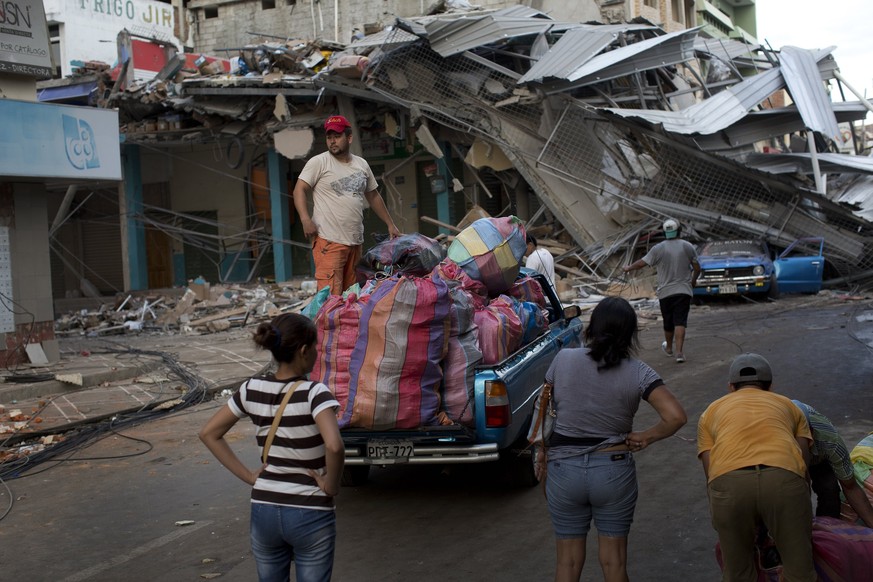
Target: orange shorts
335 264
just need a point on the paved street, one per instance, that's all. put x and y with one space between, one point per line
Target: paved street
110 512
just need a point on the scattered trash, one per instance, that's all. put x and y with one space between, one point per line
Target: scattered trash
184 522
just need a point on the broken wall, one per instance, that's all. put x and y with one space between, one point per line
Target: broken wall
310 20
28 316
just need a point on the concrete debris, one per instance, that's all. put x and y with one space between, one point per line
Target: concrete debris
202 308
75 379
613 126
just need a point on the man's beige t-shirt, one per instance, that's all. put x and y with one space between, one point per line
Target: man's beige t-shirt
338 193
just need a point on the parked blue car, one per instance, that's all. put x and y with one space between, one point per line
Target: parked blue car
744 266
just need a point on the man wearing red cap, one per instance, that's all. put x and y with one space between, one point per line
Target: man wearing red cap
339 181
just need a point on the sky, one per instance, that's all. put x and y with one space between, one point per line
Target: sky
846 24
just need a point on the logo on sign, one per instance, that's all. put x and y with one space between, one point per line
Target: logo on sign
80 143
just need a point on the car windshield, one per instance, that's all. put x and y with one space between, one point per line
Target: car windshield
732 248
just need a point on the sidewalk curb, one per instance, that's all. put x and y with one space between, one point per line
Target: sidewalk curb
11 392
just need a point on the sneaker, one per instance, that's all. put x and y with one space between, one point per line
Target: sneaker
680 358
665 350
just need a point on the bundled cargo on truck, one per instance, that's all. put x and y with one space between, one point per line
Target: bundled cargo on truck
338 323
401 350
462 357
490 250
395 365
410 254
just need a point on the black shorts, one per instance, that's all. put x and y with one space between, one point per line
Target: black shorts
674 310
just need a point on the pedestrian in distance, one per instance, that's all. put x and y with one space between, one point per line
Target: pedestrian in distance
538 259
596 391
338 182
831 469
754 447
676 263
292 508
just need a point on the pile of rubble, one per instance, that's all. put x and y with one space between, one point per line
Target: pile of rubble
201 308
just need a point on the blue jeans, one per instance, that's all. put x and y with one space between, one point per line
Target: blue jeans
602 486
281 534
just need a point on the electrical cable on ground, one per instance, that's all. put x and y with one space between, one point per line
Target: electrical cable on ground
88 434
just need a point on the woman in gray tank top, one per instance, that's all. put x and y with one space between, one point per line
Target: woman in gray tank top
596 391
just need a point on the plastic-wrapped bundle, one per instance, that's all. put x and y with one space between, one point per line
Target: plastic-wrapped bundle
499 329
410 254
459 365
534 320
395 366
490 250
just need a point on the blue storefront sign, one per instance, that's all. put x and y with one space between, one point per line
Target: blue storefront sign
41 140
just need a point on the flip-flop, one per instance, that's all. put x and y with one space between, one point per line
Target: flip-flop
680 358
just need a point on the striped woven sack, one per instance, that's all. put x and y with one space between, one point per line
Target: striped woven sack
528 289
499 329
459 365
490 250
395 366
449 271
337 322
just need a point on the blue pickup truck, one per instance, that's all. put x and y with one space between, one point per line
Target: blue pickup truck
503 401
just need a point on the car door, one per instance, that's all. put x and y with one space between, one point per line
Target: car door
799 269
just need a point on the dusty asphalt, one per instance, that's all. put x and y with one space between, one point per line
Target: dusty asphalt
112 514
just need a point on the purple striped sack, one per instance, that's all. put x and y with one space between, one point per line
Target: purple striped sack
395 365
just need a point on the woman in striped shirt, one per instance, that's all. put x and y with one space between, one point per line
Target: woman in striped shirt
292 513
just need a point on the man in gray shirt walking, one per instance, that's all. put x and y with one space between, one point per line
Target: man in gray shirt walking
676 263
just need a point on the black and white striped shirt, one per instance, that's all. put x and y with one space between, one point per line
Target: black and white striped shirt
297 446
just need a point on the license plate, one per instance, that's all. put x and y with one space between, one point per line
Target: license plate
398 451
727 289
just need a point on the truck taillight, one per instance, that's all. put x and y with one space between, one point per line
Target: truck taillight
496 405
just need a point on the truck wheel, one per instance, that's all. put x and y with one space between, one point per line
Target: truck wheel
773 292
355 476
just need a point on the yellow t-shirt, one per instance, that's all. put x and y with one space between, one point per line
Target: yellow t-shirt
752 427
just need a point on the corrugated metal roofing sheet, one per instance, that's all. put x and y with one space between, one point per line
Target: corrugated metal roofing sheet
722 110
804 83
661 51
723 48
858 192
388 36
768 123
575 48
802 162
457 36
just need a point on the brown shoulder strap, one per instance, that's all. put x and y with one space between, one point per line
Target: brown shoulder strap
275 426
544 399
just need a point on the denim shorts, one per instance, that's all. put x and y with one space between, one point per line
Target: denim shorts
598 485
281 534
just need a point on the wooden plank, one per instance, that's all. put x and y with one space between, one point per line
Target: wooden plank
217 316
440 224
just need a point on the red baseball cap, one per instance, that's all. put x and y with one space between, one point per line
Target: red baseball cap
336 123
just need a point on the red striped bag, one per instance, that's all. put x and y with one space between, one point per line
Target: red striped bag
338 322
500 329
395 366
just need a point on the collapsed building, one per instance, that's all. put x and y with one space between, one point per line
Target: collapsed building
595 132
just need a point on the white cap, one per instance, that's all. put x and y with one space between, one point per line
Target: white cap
671 228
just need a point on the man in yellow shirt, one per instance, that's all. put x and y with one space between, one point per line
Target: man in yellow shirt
754 446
